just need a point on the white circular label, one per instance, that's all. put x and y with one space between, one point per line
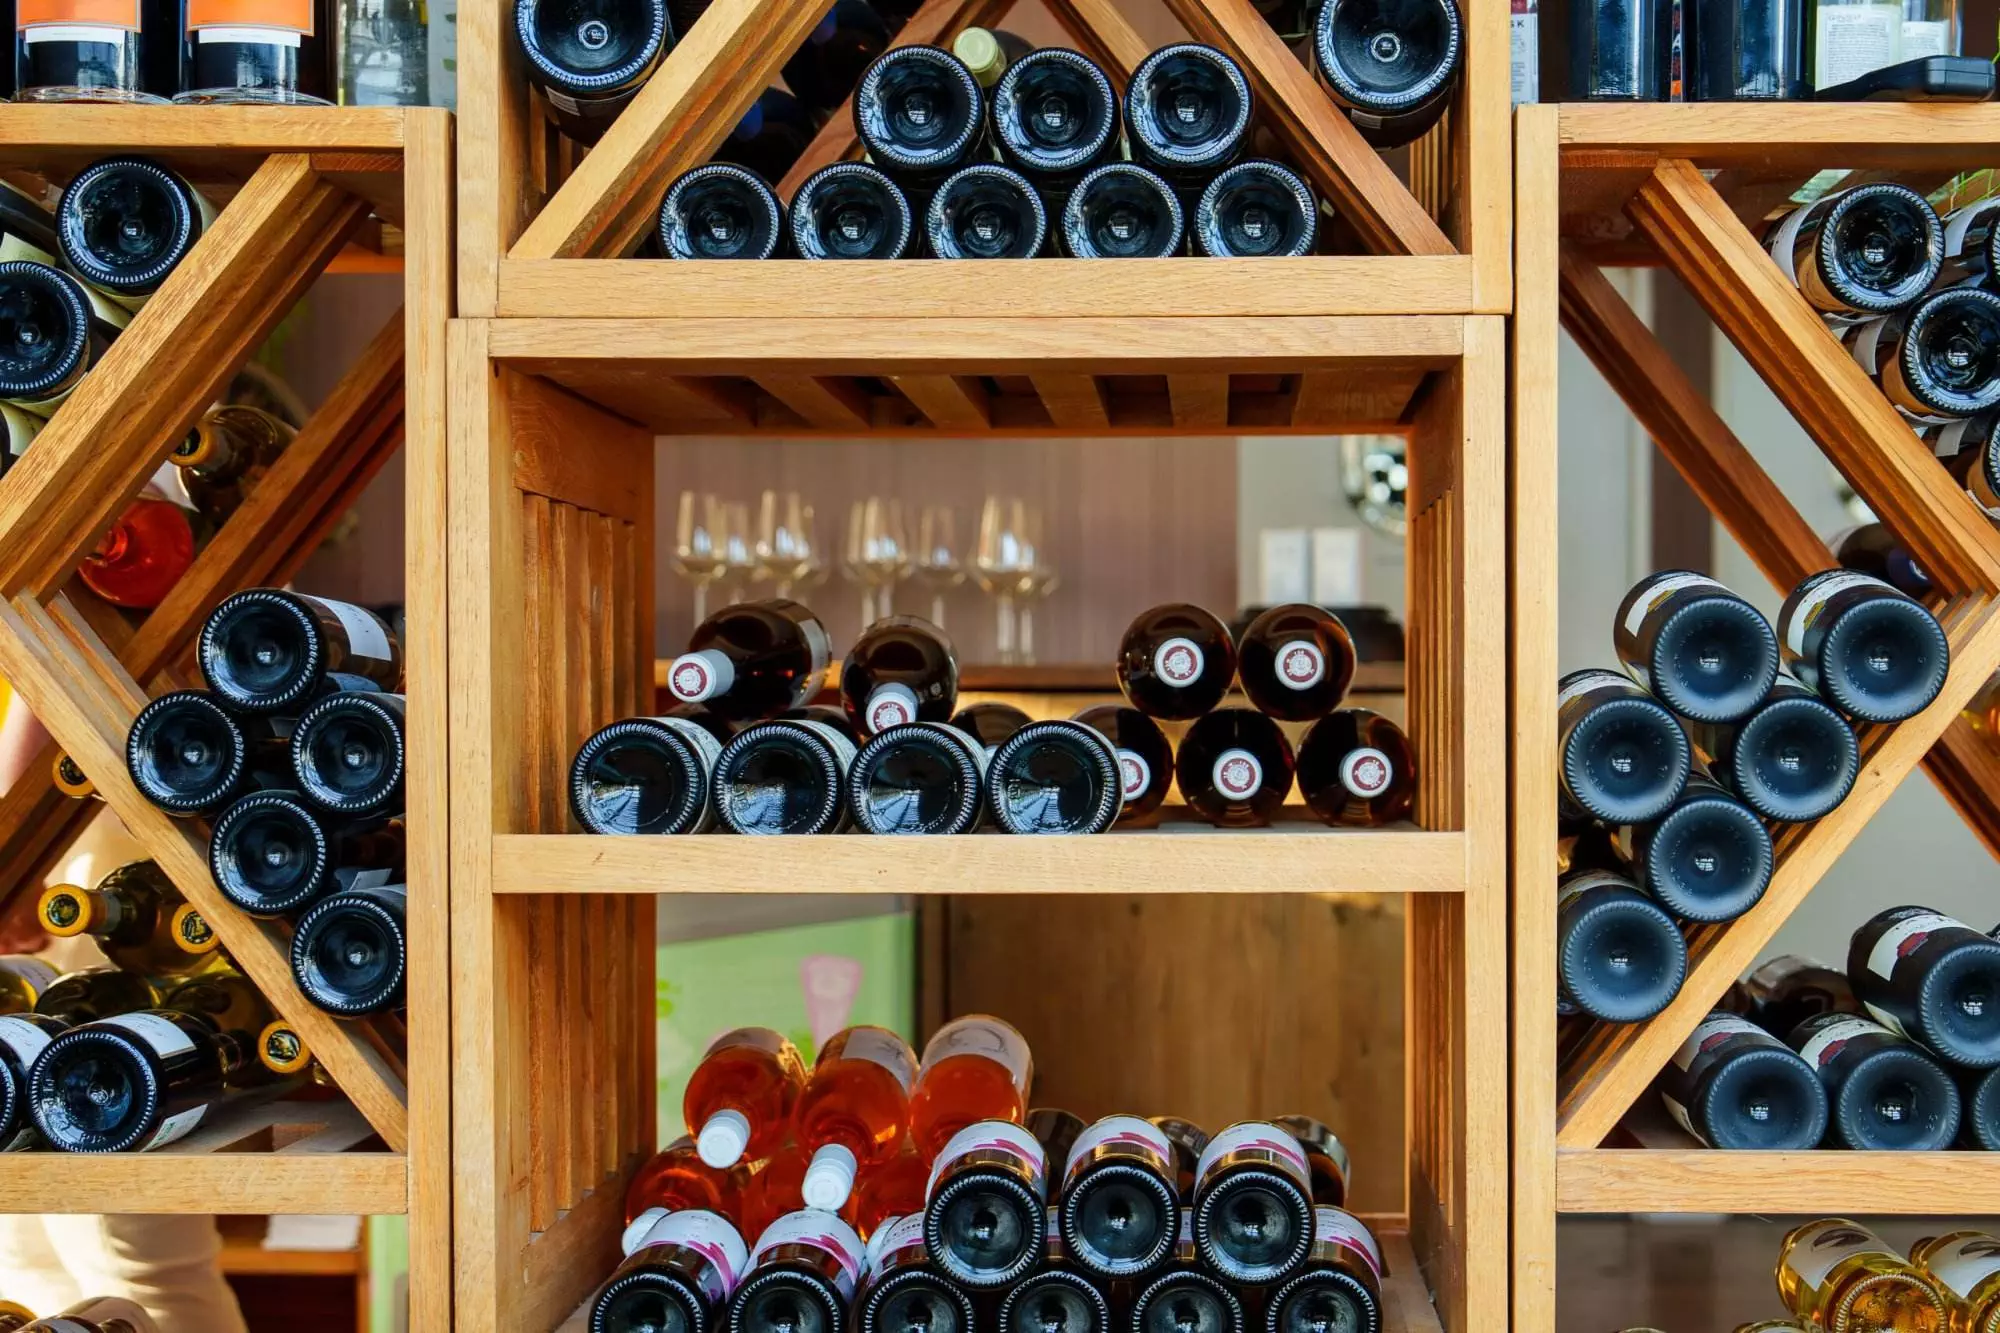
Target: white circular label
891 706
690 680
1134 774
1237 774
1366 772
1178 662
1301 665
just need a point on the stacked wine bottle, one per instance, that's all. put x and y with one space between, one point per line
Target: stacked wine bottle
1673 771
885 1194
93 1314
296 752
746 750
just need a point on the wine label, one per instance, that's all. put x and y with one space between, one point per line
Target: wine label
52 16
366 635
821 1231
1819 1247
1263 1141
23 1040
891 705
1904 938
1366 772
1577 885
38 975
992 1136
713 1238
1179 662
1579 683
13 249
1714 1030
899 1233
980 1035
365 879
1852 40
1659 589
1237 774
1524 63
1785 236
1924 37
177 1127
695 677
1864 344
1300 665
1831 1038
879 1046
266 21
1125 1130
1337 1226
1134 775
1960 222
161 1035
1965 1263
1812 597
843 748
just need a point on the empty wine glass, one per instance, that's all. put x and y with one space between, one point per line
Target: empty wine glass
885 551
854 559
786 546
698 545
738 546
999 561
934 560
1038 578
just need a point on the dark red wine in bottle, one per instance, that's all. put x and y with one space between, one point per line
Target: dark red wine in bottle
1932 979
850 210
273 854
1707 859
985 211
788 775
1187 112
1234 768
921 114
1887 1093
1054 776
1870 548
1619 957
1734 1085
1176 661
901 669
348 753
266 650
990 723
125 223
351 953
1785 991
1357 769
753 660
1145 758
986 1220
1792 760
1121 211
57 334
645 775
1623 758
1391 65
1055 116
1702 650
720 210
1252 1205
189 755
923 777
1255 210
589 58
1295 662
1870 651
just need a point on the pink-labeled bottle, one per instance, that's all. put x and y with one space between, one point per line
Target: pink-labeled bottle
741 1096
974 1068
854 1110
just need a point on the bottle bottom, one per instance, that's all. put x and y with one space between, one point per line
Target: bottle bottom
247 97
79 93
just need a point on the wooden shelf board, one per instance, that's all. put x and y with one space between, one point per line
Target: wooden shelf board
247 1257
1074 678
1294 857
171 1182
29 128
1701 1180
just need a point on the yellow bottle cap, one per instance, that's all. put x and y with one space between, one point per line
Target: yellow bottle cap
66 910
192 933
196 448
281 1049
72 781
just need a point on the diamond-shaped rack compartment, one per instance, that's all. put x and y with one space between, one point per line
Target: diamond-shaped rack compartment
300 189
533 202
1677 185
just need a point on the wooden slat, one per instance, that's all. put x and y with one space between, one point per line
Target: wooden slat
1701 1180
952 402
826 401
1743 134
1075 402
368 1183
1105 34
1200 402
678 119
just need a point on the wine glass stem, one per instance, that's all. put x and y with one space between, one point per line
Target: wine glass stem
783 588
1026 634
1004 630
867 607
937 609
700 601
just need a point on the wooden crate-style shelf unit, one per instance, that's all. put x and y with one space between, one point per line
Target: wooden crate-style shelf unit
533 203
1685 186
295 186
552 483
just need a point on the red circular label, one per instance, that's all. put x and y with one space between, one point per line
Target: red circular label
1178 662
691 679
1301 665
1366 772
1238 774
888 713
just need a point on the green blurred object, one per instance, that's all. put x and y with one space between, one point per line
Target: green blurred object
388 1269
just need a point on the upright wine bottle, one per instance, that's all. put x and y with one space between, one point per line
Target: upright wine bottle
1842 1277
266 650
74 51
273 855
741 1096
225 454
801 1275
720 211
1624 759
1792 760
1055 776
854 1110
125 223
282 59
143 554
678 1275
828 66
1734 1085
1187 112
1176 661
1709 858
920 778
348 753
901 669
985 211
350 955
1055 117
784 776
1234 767
1357 769
1870 548
1296 661
1256 210
1886 1093
589 59
753 660
1965 1265
137 917
986 1220
1873 653
1252 1205
1937 360
1120 1208
976 1067
57 335
1865 250
990 724
1145 759
850 210
920 114
1341 1285
1619 957
23 1038
1702 650
1931 979
645 775
903 1291
1185 1298
1121 211
1055 1295
1392 67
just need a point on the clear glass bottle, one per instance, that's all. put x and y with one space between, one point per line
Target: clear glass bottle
381 52
1846 1279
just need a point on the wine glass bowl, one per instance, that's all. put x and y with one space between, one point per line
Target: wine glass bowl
697 555
787 549
934 559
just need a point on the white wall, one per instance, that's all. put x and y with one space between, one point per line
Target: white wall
1293 481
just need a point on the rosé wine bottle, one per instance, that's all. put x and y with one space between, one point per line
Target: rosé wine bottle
676 1178
854 1111
772 1191
974 1068
893 1189
740 1097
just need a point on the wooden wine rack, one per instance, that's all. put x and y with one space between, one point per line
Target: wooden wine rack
1676 185
295 186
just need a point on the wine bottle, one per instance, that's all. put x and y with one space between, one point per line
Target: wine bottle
784 776
91 993
74 51
1120 1210
125 223
23 978
351 953
1256 210
1872 652
1175 661
225 454
1357 769
1252 1205
1054 776
854 1110
1145 759
850 210
96 1314
1234 767
1054 1296
753 660
1057 1131
266 650
801 1275
58 335
1295 662
348 753
281 59
1624 759
1970 450
1793 760
1886 1093
985 211
976 1067
1840 1276
140 558
1938 360
23 1037
903 1291
1785 991
771 1190
920 113
18 429
990 724
1184 1298
901 669
989 53
830 63
887 1191
1327 1160
27 229
1190 1142
1932 979
741 1096
678 1275
1392 67
920 778
1699 648
986 1219
134 1082
1870 548
1187 112
588 61
1121 211
1866 250
720 211
645 775
137 917
1979 1093
1055 117
1964 1265
188 755
272 854
1971 245
1709 858
1734 1085
282 1051
676 1179
1341 1285
770 137
1619 957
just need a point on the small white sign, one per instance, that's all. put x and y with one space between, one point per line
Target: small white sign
1336 567
1282 566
